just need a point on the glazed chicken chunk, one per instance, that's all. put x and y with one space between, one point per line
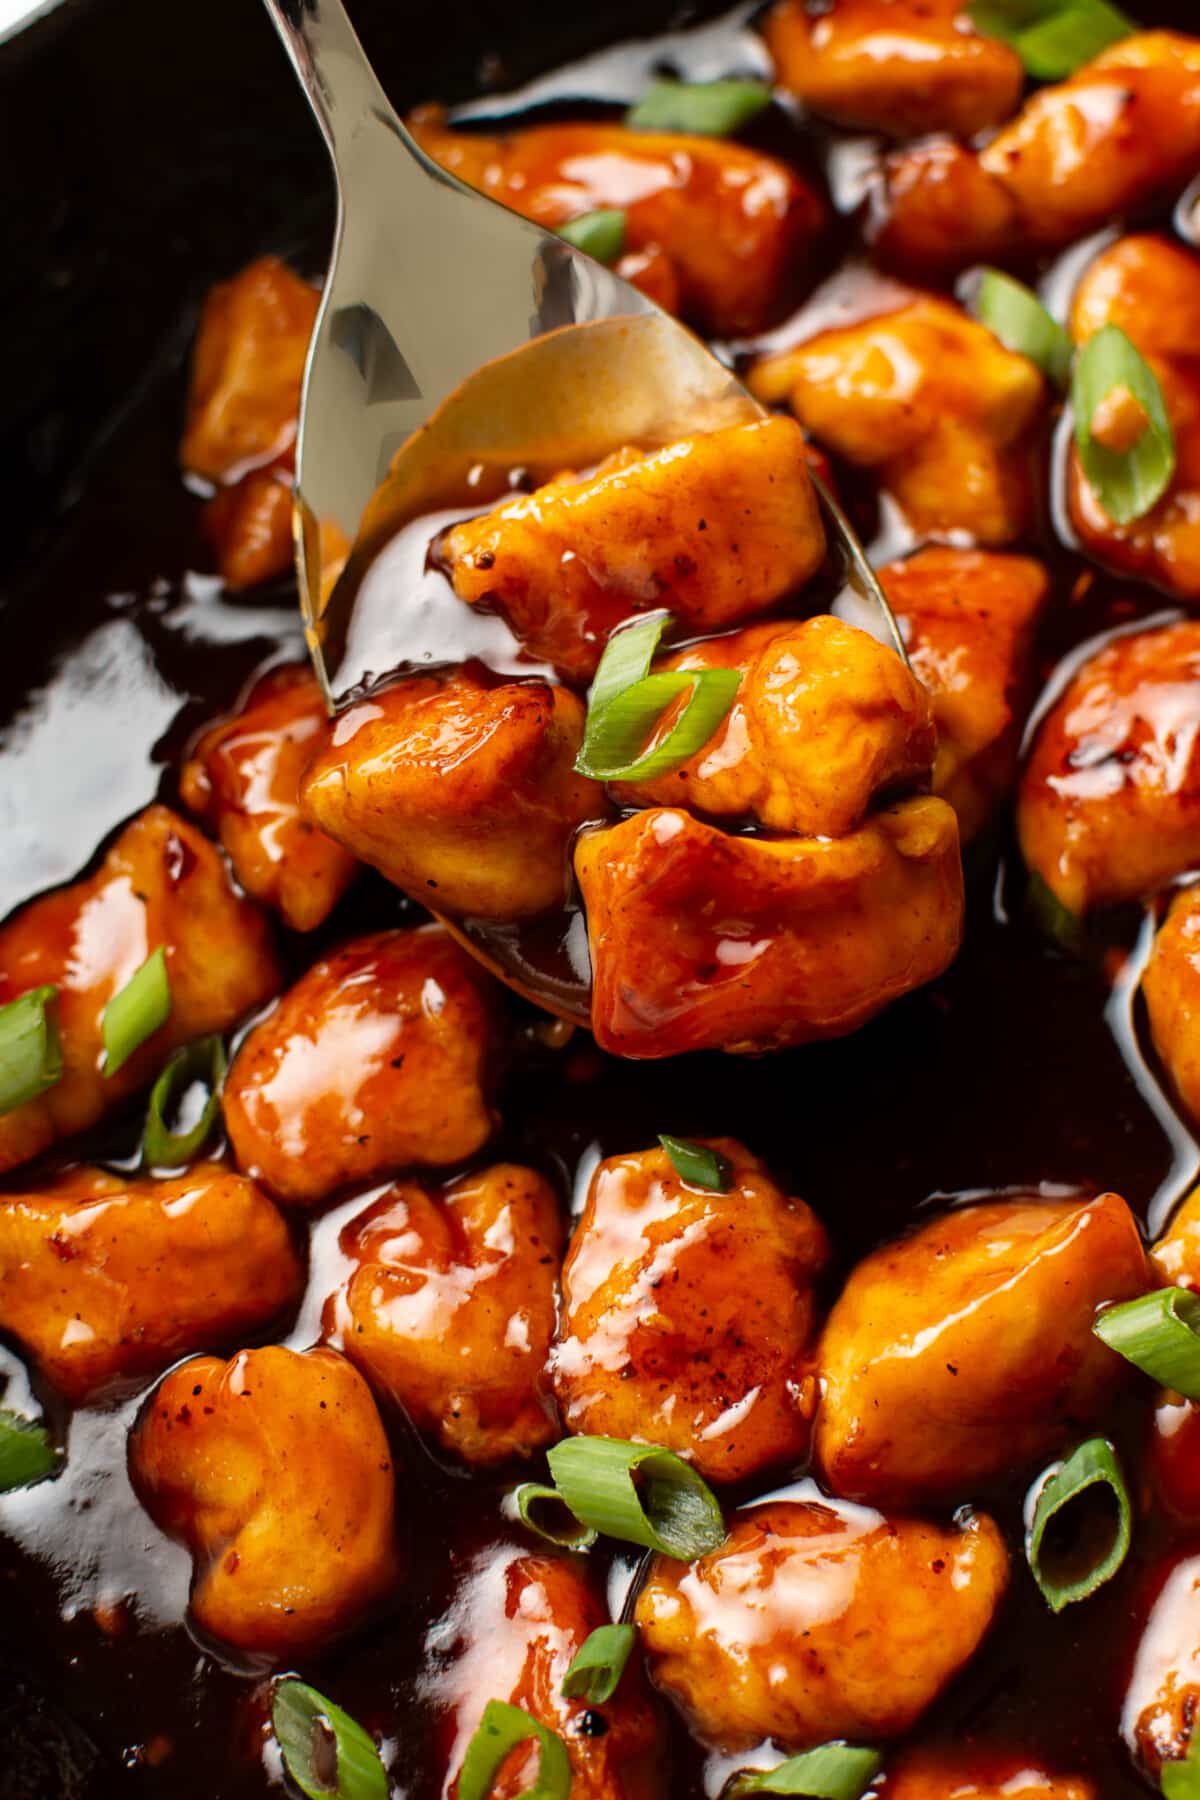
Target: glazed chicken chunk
162 884
244 776
517 1621
275 1471
967 618
720 228
1108 804
979 1775
901 66
932 401
450 1309
714 528
826 720
1162 1700
1171 985
1150 287
817 1620
375 1059
966 1350
703 940
688 1315
105 1277
247 367
460 789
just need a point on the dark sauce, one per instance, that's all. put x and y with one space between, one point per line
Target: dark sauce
1024 1067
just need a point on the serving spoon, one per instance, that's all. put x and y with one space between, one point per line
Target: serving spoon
456 342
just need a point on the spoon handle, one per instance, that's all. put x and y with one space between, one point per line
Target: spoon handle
333 69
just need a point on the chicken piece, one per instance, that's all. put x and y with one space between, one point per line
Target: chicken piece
965 1351
653 272
1108 803
933 401
734 223
275 1471
161 884
516 1622
375 1059
714 528
1175 1256
1150 287
933 209
825 721
700 940
247 367
451 1306
106 1277
815 1620
1162 1700
244 774
900 66
979 1775
968 618
1171 986
460 789
688 1316
1172 1462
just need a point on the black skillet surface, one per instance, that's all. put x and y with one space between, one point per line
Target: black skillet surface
144 152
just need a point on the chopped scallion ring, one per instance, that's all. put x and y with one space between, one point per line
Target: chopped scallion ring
704 108
1072 1546
698 1165
500 1730
326 1753
601 234
544 1510
136 1011
1181 1780
1014 314
1122 430
638 1493
598 1665
1160 1335
26 1453
1053 38
626 703
30 1047
831 1772
203 1062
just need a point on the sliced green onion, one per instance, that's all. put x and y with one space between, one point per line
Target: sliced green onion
1181 1780
1014 314
501 1729
204 1061
601 234
30 1047
698 1165
26 1453
598 1665
1127 483
1050 915
136 1012
327 1753
1160 1335
1087 1545
832 1772
626 703
544 1511
1053 38
638 1493
704 108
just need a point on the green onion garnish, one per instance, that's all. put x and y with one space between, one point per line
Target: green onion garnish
326 1753
1014 314
598 1665
1128 478
626 702
1053 38
601 234
638 1493
30 1047
500 1730
705 108
832 1772
26 1453
1087 1544
204 1061
698 1165
1180 1780
544 1511
1160 1335
136 1012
